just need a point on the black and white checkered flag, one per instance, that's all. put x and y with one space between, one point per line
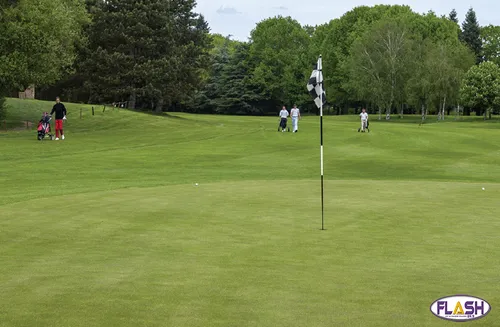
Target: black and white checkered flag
315 84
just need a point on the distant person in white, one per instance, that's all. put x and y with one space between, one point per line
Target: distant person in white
295 113
364 121
284 116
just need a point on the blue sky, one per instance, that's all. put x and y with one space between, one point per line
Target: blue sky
238 17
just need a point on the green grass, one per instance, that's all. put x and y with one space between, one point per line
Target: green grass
19 112
107 228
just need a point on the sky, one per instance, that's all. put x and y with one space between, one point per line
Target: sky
239 17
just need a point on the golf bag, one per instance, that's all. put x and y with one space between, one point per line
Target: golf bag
367 123
282 127
43 129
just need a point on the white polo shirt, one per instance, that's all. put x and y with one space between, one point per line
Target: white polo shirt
284 113
364 116
295 112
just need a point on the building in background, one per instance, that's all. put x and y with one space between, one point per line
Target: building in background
29 93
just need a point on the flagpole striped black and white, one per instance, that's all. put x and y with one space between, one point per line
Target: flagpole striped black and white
317 91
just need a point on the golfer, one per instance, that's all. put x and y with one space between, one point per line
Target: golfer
364 121
295 113
60 111
284 117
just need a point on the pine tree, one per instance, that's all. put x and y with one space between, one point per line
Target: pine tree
206 100
453 16
471 34
238 95
148 53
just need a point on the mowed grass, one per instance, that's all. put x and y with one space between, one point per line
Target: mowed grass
108 227
25 114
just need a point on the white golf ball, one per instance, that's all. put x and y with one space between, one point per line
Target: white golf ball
483 188
196 184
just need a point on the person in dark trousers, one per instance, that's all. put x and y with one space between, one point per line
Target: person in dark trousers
60 111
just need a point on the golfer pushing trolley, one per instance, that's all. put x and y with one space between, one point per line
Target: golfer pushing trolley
364 122
283 119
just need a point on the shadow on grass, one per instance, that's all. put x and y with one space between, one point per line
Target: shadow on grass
433 120
167 115
154 113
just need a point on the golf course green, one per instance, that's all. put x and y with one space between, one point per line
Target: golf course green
205 220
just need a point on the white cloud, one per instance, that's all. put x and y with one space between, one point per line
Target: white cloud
227 11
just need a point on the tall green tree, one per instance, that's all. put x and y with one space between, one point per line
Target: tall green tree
490 36
481 87
238 95
419 88
471 34
218 41
279 48
439 64
448 62
38 40
453 16
151 53
228 88
310 29
205 100
335 39
379 65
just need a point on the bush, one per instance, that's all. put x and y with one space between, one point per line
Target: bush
352 111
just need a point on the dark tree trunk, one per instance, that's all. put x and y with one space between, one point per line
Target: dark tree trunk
159 106
132 100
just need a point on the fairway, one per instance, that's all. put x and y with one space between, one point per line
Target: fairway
109 227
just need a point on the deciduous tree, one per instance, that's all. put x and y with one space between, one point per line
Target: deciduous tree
279 48
490 36
379 64
38 40
481 87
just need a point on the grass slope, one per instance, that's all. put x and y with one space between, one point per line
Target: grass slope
20 112
108 228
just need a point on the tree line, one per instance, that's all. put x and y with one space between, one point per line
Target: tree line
159 55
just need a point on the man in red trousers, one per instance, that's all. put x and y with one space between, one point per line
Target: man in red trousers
60 111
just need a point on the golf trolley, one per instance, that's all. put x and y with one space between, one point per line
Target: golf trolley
365 127
43 129
282 127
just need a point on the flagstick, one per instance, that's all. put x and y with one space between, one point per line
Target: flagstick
322 178
321 133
